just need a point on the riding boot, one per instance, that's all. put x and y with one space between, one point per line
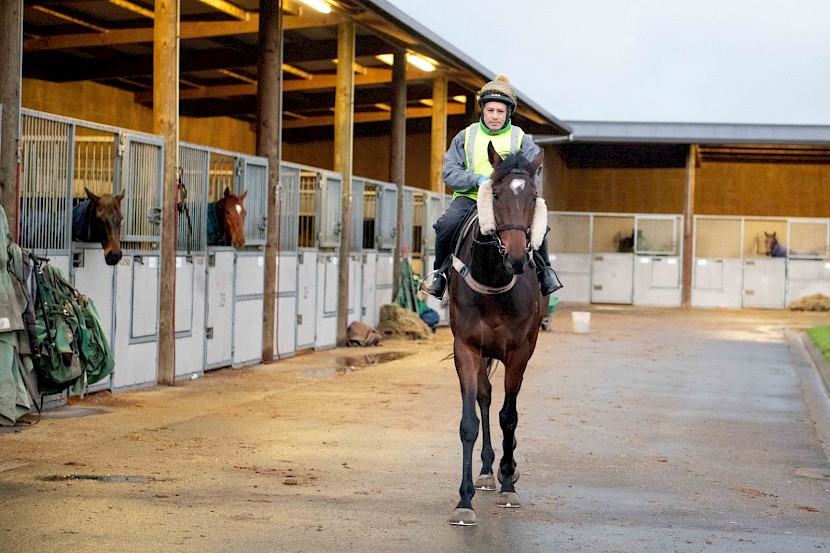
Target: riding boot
439 281
548 280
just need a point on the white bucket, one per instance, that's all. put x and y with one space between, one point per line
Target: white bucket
581 322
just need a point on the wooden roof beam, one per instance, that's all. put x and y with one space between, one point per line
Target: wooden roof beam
188 29
317 82
368 117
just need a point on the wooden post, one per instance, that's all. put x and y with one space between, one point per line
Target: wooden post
11 35
343 147
439 132
268 145
166 124
397 154
688 228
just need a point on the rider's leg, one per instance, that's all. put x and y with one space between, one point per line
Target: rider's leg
548 280
446 230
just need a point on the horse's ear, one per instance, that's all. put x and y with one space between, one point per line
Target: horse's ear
536 162
91 195
120 196
494 156
242 196
227 191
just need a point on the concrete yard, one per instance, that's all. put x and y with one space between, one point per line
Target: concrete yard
659 430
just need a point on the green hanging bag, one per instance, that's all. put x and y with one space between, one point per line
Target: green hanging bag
73 351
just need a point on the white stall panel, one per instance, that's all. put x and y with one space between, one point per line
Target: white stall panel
94 278
248 304
574 271
247 335
306 299
369 310
717 283
385 278
136 360
250 272
805 278
764 282
190 342
145 305
327 276
657 281
285 339
184 294
219 315
612 278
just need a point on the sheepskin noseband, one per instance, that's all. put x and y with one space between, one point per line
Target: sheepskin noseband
487 217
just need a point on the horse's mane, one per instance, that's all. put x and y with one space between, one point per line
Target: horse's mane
513 162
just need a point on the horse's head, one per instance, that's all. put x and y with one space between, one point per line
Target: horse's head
231 216
510 209
105 220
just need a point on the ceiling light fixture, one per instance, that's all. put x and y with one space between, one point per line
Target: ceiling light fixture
318 5
421 62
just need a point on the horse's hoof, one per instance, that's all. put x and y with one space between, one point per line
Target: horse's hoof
515 476
463 517
485 482
509 499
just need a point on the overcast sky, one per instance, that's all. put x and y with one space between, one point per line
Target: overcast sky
708 61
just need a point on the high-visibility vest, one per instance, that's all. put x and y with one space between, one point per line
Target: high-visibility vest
475 151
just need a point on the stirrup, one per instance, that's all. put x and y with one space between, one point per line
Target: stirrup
438 286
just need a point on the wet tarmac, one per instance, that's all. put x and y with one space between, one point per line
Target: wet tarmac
658 430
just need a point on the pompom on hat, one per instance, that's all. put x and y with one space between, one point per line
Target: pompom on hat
498 90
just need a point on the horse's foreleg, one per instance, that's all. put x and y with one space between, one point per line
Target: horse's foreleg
467 365
509 420
486 480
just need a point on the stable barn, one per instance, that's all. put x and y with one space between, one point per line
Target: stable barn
339 154
342 174
672 214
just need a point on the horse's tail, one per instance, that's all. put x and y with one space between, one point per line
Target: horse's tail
491 365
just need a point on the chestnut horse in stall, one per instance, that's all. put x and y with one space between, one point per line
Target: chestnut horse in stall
98 219
496 308
226 221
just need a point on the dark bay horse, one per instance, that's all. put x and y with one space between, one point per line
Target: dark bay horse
496 309
98 219
226 221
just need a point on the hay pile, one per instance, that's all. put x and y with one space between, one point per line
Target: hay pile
397 322
816 302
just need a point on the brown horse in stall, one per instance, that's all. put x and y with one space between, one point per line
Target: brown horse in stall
496 308
98 219
226 221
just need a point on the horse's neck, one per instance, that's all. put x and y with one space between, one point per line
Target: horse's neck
82 227
778 250
216 235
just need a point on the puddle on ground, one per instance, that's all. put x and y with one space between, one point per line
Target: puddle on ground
68 412
809 472
352 363
97 478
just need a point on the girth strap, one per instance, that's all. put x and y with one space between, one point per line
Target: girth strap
476 286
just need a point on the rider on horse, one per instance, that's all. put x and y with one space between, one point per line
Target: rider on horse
466 167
